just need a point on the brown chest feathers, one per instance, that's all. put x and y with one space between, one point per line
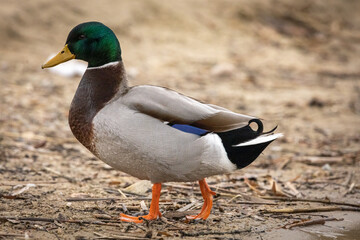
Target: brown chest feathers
97 87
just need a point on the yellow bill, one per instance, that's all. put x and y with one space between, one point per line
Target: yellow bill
63 56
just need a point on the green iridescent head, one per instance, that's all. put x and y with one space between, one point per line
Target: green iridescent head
92 42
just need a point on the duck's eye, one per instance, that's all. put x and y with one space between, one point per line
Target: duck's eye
82 36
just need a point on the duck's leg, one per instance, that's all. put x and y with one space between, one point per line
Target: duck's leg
154 212
208 201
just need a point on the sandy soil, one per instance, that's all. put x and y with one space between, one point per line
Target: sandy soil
293 63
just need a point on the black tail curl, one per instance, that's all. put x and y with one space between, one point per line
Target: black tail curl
242 156
261 127
259 123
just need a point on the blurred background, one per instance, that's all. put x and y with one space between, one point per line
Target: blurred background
292 63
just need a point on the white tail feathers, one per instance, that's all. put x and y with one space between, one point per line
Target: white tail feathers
260 139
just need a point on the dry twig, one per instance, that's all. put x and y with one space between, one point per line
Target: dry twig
52 220
351 187
79 199
311 222
11 235
311 209
91 199
311 200
202 233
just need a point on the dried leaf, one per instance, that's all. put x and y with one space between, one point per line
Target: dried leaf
140 188
275 188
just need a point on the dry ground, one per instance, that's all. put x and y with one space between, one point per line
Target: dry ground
293 63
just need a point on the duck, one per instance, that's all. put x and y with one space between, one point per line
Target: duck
152 132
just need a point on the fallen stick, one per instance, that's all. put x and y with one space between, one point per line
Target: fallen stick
91 199
11 235
91 222
52 220
349 190
314 222
11 197
311 222
246 202
37 183
311 200
104 199
27 219
121 237
313 209
201 233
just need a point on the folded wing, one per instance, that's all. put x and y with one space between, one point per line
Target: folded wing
175 108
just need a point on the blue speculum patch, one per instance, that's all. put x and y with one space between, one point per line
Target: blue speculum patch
190 129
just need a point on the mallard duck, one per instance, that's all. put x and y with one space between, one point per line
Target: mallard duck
152 132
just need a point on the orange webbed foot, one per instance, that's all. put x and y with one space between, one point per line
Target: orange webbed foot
154 212
140 219
208 202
